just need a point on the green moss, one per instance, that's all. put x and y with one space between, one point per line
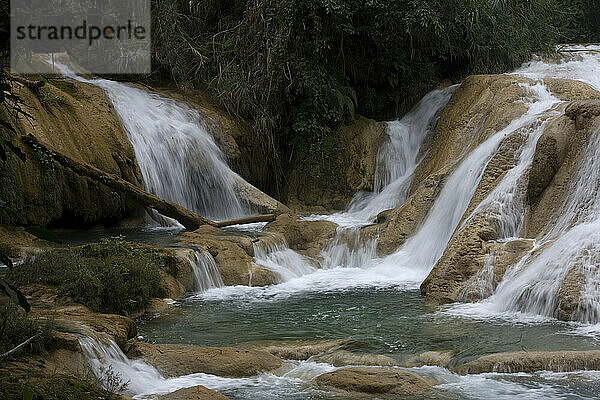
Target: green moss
111 277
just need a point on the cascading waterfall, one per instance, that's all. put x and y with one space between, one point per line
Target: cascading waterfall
177 156
572 242
398 158
205 271
418 255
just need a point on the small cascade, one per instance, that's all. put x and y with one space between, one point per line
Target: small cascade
573 241
177 156
273 253
348 250
418 255
480 285
109 362
205 270
399 156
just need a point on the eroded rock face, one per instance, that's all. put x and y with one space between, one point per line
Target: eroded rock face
75 119
526 361
318 185
404 220
306 237
194 393
379 381
474 261
178 359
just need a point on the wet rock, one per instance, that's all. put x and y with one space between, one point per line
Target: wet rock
231 254
569 294
432 358
523 361
193 393
570 90
179 359
549 155
377 381
340 358
306 237
302 350
480 107
319 185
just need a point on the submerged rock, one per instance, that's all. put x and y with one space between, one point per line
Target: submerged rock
180 359
392 382
302 350
193 393
523 361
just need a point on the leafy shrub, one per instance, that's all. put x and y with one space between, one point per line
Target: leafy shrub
298 68
112 276
16 327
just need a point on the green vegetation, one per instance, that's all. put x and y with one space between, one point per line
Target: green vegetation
58 387
111 277
298 69
16 327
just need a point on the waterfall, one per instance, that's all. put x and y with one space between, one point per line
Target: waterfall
421 251
398 157
571 242
205 271
273 253
177 156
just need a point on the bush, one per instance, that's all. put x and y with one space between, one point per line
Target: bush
110 277
58 387
16 327
298 69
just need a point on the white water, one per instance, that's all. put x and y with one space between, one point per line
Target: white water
273 253
205 271
398 157
177 156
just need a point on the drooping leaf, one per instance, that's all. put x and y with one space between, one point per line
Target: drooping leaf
4 259
43 233
28 393
15 295
16 150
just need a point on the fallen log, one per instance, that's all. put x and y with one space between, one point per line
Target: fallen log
189 219
247 220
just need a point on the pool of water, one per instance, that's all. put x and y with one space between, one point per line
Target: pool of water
392 321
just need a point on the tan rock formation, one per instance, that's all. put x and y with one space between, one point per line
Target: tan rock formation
178 359
524 361
193 393
377 381
78 120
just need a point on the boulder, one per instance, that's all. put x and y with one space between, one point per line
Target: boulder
376 381
193 393
569 294
525 361
340 358
232 256
179 359
432 358
306 237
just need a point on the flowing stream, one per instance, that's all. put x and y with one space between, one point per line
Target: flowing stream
350 292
